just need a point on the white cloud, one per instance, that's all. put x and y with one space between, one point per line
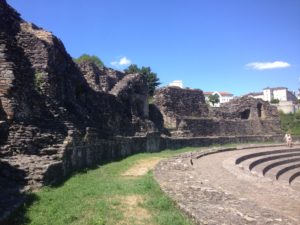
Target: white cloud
123 61
267 65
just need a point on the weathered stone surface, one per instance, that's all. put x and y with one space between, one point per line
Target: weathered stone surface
222 193
243 116
100 79
238 109
176 103
157 118
132 90
49 108
45 93
57 116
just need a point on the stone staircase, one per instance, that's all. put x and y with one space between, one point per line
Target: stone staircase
280 165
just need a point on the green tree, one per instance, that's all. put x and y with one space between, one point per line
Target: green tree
274 101
152 79
214 99
133 68
90 58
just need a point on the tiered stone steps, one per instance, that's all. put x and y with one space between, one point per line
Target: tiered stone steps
279 165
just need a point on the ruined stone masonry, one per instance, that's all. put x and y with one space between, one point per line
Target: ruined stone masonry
57 116
186 114
52 112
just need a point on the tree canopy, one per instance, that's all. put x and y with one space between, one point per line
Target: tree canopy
152 79
274 101
90 58
214 99
133 68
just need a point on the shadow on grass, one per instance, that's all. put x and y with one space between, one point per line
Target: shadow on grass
19 217
13 202
61 181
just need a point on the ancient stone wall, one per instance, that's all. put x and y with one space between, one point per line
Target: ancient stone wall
219 127
49 105
243 116
175 103
245 108
100 79
44 94
157 118
57 117
132 90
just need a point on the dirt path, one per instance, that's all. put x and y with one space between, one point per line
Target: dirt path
142 167
130 206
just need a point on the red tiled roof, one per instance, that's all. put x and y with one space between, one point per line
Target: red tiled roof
207 93
223 93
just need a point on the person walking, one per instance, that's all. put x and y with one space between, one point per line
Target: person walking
288 139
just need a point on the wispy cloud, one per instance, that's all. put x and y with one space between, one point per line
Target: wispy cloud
267 65
123 61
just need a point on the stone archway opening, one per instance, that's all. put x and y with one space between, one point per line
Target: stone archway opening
245 114
138 108
259 106
260 110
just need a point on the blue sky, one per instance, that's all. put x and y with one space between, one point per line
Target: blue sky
237 46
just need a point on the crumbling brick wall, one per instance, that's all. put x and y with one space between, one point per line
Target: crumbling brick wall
186 114
175 103
100 79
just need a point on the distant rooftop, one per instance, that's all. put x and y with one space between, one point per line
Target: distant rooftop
223 93
276 88
254 93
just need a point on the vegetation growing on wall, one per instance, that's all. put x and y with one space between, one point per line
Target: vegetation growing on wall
38 81
274 101
90 58
152 79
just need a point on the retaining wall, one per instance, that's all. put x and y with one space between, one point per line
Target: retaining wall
90 151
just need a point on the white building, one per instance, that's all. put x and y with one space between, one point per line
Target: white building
298 96
223 97
176 83
280 93
287 99
256 95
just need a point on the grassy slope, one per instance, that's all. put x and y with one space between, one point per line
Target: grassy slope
290 122
93 197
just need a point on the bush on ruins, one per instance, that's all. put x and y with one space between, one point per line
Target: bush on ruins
90 58
152 79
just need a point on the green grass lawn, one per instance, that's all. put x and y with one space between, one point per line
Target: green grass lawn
103 196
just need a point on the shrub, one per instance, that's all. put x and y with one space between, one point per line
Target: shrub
90 58
152 79
274 101
38 80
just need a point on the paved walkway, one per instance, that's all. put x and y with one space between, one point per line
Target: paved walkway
216 191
